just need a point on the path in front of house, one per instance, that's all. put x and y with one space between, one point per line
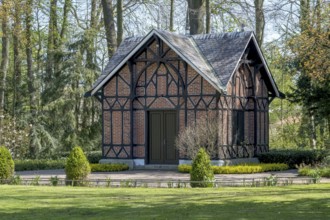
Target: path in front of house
168 175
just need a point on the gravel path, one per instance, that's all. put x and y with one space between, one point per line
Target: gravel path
166 175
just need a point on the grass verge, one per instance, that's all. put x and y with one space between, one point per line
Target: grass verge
292 202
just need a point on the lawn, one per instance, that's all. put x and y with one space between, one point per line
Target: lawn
42 202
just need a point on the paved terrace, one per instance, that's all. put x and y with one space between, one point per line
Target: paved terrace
162 178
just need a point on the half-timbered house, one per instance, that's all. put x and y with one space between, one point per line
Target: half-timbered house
156 85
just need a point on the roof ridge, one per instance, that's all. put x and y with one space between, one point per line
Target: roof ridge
222 35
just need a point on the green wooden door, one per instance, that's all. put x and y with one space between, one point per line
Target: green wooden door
162 134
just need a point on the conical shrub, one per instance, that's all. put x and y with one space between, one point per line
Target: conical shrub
7 166
77 167
201 174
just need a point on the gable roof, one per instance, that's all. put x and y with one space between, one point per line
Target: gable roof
214 56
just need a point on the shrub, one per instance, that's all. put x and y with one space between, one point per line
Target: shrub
184 168
54 180
201 174
39 164
314 171
203 132
77 167
240 169
108 167
16 180
94 156
293 157
6 164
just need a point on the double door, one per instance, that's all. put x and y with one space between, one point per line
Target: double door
162 134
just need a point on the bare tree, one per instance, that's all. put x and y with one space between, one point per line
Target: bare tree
196 11
202 133
259 20
109 25
120 29
208 16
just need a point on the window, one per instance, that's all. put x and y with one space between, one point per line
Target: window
238 127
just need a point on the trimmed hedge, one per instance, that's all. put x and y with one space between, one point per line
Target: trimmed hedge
314 172
94 156
77 167
43 164
6 164
240 169
108 167
201 174
293 158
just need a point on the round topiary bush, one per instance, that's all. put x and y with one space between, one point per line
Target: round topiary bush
77 167
7 166
201 174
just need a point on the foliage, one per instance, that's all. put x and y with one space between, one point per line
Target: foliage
39 164
160 203
54 180
16 180
6 164
310 67
14 134
240 169
314 171
94 156
184 168
202 133
35 181
108 167
201 174
293 157
249 168
77 167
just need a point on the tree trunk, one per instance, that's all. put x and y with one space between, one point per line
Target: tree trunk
260 20
109 26
313 130
4 62
304 20
17 79
196 16
172 16
318 15
30 75
66 9
52 31
120 30
208 16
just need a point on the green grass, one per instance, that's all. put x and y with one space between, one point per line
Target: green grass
291 202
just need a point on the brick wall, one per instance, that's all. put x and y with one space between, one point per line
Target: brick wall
160 87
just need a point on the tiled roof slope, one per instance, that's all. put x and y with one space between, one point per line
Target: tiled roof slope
123 50
223 51
214 56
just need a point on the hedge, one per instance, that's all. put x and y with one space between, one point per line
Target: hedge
240 169
313 172
94 156
43 164
108 167
293 158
